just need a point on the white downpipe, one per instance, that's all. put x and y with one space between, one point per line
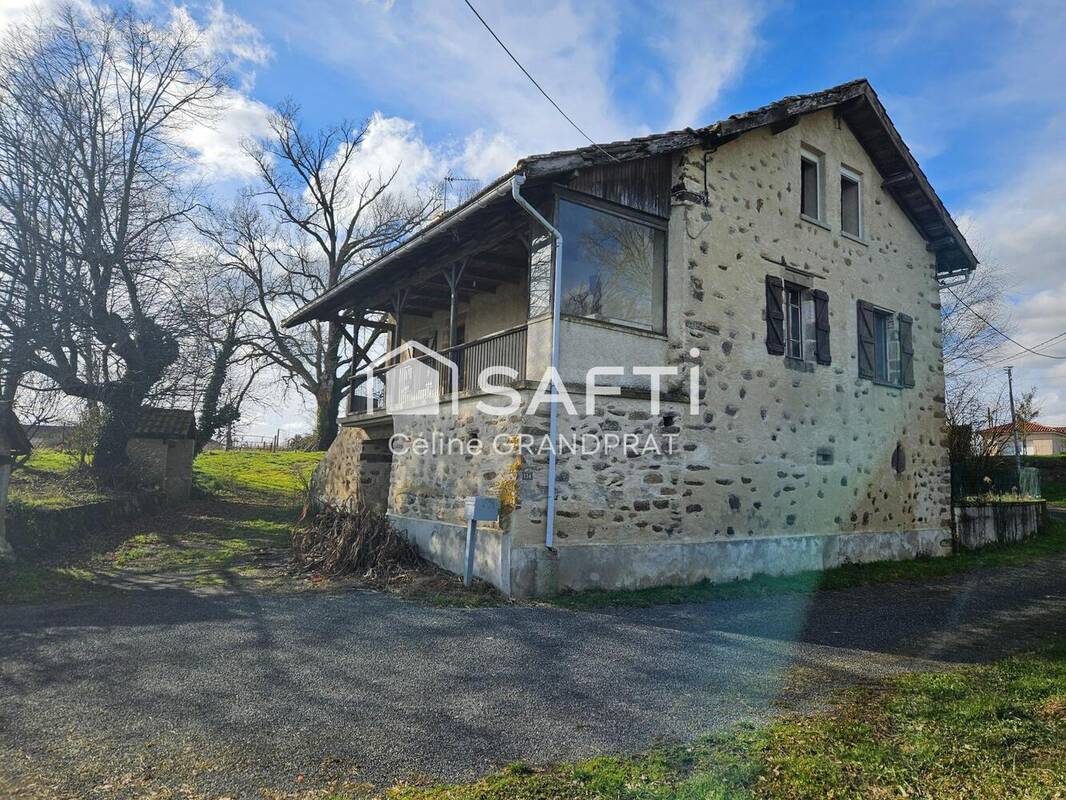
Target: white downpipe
553 411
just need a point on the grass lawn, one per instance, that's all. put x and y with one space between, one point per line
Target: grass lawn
1049 542
994 731
240 473
51 479
238 532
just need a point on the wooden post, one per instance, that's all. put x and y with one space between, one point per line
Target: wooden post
453 276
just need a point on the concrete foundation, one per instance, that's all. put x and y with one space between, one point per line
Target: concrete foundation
536 571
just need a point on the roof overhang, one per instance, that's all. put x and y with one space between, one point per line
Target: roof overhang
856 103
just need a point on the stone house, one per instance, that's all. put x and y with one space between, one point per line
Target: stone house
162 450
790 257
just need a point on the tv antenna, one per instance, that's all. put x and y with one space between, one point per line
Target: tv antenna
450 179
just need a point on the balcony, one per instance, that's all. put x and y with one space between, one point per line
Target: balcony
506 348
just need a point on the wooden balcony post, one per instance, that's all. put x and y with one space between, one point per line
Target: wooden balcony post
453 276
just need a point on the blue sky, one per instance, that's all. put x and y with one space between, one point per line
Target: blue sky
976 88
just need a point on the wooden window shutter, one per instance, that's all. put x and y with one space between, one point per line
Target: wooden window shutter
906 351
775 316
821 327
867 346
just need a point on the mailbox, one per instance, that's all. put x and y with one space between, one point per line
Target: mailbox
482 509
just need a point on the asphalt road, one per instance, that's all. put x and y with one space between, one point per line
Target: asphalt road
230 694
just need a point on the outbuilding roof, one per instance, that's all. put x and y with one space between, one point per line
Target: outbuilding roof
856 103
165 423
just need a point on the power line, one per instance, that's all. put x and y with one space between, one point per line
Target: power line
1005 336
1003 359
534 81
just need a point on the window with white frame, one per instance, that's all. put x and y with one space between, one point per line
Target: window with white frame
851 203
811 184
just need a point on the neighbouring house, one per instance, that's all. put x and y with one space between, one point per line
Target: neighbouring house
162 449
1033 439
791 255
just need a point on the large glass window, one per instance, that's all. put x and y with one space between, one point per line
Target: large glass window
613 267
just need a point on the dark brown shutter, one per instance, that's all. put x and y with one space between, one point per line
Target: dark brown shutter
866 340
775 316
906 351
821 327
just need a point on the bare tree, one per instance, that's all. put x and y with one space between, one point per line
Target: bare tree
330 220
223 362
91 197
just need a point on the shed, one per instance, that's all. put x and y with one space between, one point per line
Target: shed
162 448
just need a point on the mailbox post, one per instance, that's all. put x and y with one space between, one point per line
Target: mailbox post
478 509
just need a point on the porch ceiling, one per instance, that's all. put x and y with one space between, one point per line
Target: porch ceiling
491 241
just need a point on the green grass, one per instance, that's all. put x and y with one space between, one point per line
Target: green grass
218 539
994 731
243 472
1054 492
51 479
1050 541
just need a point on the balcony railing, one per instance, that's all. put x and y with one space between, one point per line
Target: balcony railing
506 348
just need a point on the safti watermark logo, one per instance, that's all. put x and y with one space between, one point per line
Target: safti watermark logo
416 378
413 375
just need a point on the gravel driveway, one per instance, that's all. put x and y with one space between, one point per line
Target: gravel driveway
224 695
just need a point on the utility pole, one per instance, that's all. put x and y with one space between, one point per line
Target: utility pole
1014 426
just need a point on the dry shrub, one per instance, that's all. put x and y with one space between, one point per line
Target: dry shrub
351 540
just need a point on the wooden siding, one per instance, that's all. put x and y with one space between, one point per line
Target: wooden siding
643 184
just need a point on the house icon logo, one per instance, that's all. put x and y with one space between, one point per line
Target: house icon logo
415 376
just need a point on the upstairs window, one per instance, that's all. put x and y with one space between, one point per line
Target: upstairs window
886 348
850 203
797 321
614 266
811 185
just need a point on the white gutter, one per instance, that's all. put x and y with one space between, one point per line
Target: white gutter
553 413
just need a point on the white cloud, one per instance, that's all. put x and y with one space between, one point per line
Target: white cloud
437 63
216 143
1017 223
226 37
708 48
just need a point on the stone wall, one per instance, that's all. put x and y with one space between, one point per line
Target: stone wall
433 486
780 449
355 469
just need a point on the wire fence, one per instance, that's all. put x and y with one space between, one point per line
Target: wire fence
996 479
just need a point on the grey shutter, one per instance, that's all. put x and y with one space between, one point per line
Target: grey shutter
906 351
775 316
866 340
821 327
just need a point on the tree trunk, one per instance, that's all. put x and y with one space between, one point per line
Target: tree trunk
330 391
156 350
327 405
122 412
214 417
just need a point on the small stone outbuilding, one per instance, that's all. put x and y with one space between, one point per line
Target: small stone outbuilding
162 449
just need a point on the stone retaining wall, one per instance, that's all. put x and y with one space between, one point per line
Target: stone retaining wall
36 532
